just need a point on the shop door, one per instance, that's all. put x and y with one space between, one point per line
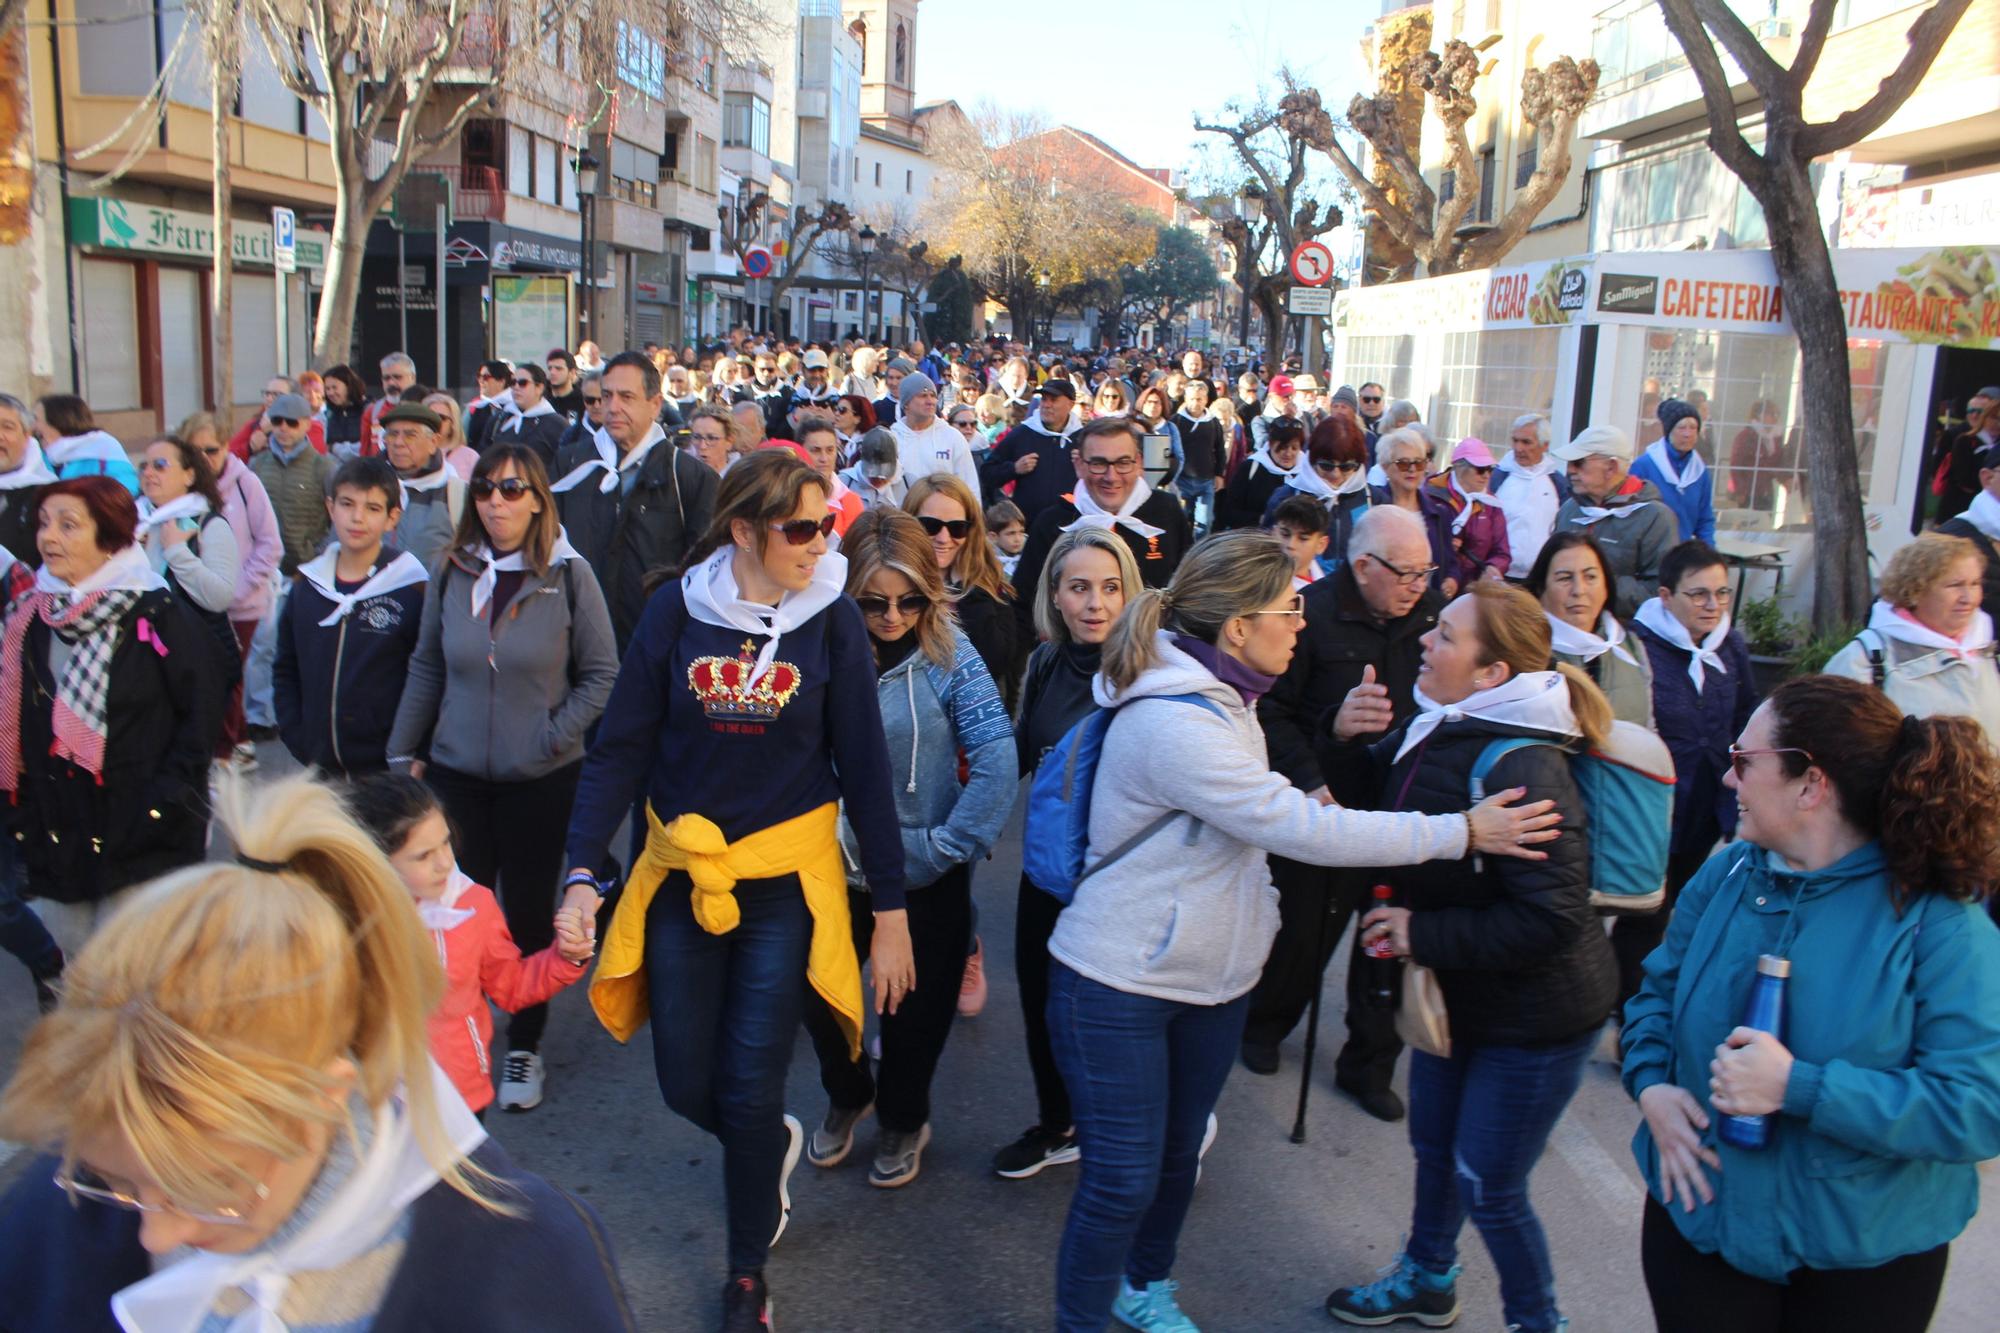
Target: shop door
182 387
1961 372
649 324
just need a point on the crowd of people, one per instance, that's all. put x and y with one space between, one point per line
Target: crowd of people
1276 657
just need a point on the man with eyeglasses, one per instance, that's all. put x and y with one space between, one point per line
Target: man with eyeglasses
1032 454
1353 676
254 435
1633 526
1535 487
591 385
295 476
630 507
528 417
433 493
812 395
1111 492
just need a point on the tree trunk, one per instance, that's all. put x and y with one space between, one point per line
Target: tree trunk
221 95
333 335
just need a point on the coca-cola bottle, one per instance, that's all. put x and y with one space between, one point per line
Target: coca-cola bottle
1381 969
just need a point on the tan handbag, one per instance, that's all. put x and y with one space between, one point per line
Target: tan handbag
1420 1017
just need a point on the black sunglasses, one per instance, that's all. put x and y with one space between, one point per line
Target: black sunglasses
1329 465
513 488
799 531
284 421
957 527
910 604
523 382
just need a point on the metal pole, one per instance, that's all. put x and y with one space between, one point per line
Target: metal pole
864 296
284 325
402 302
443 375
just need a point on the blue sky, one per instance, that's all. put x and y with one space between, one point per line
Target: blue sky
1135 75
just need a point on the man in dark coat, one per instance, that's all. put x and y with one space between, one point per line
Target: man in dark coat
1031 455
1980 525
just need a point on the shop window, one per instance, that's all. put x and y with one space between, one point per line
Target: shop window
1489 378
1524 164
1486 173
1382 360
110 298
117 56
252 317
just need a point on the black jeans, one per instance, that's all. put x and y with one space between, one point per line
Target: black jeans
1306 896
913 1037
1633 937
1694 1292
1035 914
509 837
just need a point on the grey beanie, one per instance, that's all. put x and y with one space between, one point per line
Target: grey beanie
1673 411
902 363
1345 394
914 383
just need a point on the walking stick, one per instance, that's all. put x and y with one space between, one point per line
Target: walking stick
1320 958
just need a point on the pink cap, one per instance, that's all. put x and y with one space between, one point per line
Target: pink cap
1473 450
1281 385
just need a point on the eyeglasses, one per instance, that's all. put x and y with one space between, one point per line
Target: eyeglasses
707 437
911 604
82 1183
1482 471
1707 596
1409 578
1739 759
1329 465
159 464
215 451
1098 467
1296 610
511 488
284 421
1406 464
799 531
957 527
523 382
1371 397
592 400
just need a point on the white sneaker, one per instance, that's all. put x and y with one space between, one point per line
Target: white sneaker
521 1081
793 1148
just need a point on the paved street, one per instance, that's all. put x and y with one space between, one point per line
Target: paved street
1274 1227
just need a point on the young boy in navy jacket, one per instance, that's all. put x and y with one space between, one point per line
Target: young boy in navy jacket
348 628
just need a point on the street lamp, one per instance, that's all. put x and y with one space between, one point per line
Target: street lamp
586 206
866 236
1047 320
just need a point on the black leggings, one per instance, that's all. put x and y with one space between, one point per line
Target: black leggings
1694 1292
1035 914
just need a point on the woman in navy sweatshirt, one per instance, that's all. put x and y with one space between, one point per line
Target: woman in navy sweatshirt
745 711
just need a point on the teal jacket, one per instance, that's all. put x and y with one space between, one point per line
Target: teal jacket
1894 1025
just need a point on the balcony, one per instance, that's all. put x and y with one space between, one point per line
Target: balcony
1646 84
477 194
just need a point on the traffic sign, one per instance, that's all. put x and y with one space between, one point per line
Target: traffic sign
284 240
757 262
1312 264
1309 301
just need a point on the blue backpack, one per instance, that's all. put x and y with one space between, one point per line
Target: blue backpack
1056 830
1628 789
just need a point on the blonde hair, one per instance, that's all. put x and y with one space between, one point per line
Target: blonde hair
1048 620
975 565
207 1012
1514 630
1918 567
889 539
450 435
1224 409
1225 576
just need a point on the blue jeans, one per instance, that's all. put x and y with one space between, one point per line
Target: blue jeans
725 1009
1192 493
1478 1124
259 709
21 931
1143 1075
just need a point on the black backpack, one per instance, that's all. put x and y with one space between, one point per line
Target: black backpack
228 652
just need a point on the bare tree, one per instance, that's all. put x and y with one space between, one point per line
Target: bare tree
1779 178
17 148
222 45
745 222
1552 98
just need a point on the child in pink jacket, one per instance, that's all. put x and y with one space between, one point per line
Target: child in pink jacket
481 961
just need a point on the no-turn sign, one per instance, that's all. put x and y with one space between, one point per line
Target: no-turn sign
757 262
1312 264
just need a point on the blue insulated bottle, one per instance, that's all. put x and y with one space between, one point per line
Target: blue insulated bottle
1765 1013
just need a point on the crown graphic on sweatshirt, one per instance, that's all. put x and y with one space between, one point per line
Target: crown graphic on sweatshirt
723 685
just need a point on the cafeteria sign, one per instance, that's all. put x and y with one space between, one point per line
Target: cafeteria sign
118 224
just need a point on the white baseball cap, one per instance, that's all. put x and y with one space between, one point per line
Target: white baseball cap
1595 442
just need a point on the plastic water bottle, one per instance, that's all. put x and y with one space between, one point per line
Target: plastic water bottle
1765 1013
1381 969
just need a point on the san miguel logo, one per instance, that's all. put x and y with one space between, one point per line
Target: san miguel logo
723 686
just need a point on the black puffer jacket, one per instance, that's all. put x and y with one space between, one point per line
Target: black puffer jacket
1518 951
627 534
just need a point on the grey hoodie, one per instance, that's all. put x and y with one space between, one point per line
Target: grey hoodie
1189 914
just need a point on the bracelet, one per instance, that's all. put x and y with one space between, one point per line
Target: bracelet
1471 840
581 877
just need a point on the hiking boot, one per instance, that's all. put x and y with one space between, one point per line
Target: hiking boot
898 1158
1402 1291
834 1138
1035 1150
1382 1103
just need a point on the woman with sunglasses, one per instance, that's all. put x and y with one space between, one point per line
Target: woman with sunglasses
1868 840
980 595
182 526
529 418
1515 946
853 417
1404 456
964 419
514 662
937 702
746 713
1478 524
1332 471
246 1126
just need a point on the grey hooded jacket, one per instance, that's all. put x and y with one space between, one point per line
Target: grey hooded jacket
1634 543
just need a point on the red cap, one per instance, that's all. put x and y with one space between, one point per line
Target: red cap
1281 385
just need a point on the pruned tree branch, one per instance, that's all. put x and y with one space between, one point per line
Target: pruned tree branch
1927 37
1724 136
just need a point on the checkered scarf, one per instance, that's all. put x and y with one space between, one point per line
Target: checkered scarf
90 621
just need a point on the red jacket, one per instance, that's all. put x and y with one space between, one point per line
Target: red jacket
239 443
481 963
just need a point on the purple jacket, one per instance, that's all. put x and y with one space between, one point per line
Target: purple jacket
247 506
1482 543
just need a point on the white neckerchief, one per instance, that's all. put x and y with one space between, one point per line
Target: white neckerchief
1655 617
1662 453
1471 498
800 390
1570 641
1892 624
1588 514
92 446
402 572
1306 480
1023 399
443 911
1984 513
392 1175
1091 514
1182 413
1522 470
492 566
1536 700
1261 456
34 470
608 459
437 478
515 416
713 598
1033 421
128 570
192 505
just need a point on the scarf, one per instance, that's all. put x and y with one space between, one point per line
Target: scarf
92 446
1588 514
284 455
1663 455
802 391
403 572
714 599
390 1175
1984 513
1570 641
1091 514
608 459
1182 413
1655 617
192 505
33 470
87 616
1033 421
443 911
435 477
1892 623
515 416
493 566
1470 498
1535 700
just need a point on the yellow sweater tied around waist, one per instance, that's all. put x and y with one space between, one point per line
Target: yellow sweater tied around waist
806 846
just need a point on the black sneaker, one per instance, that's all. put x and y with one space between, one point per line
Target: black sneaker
1034 1150
1402 1291
1382 1103
1260 1057
746 1305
